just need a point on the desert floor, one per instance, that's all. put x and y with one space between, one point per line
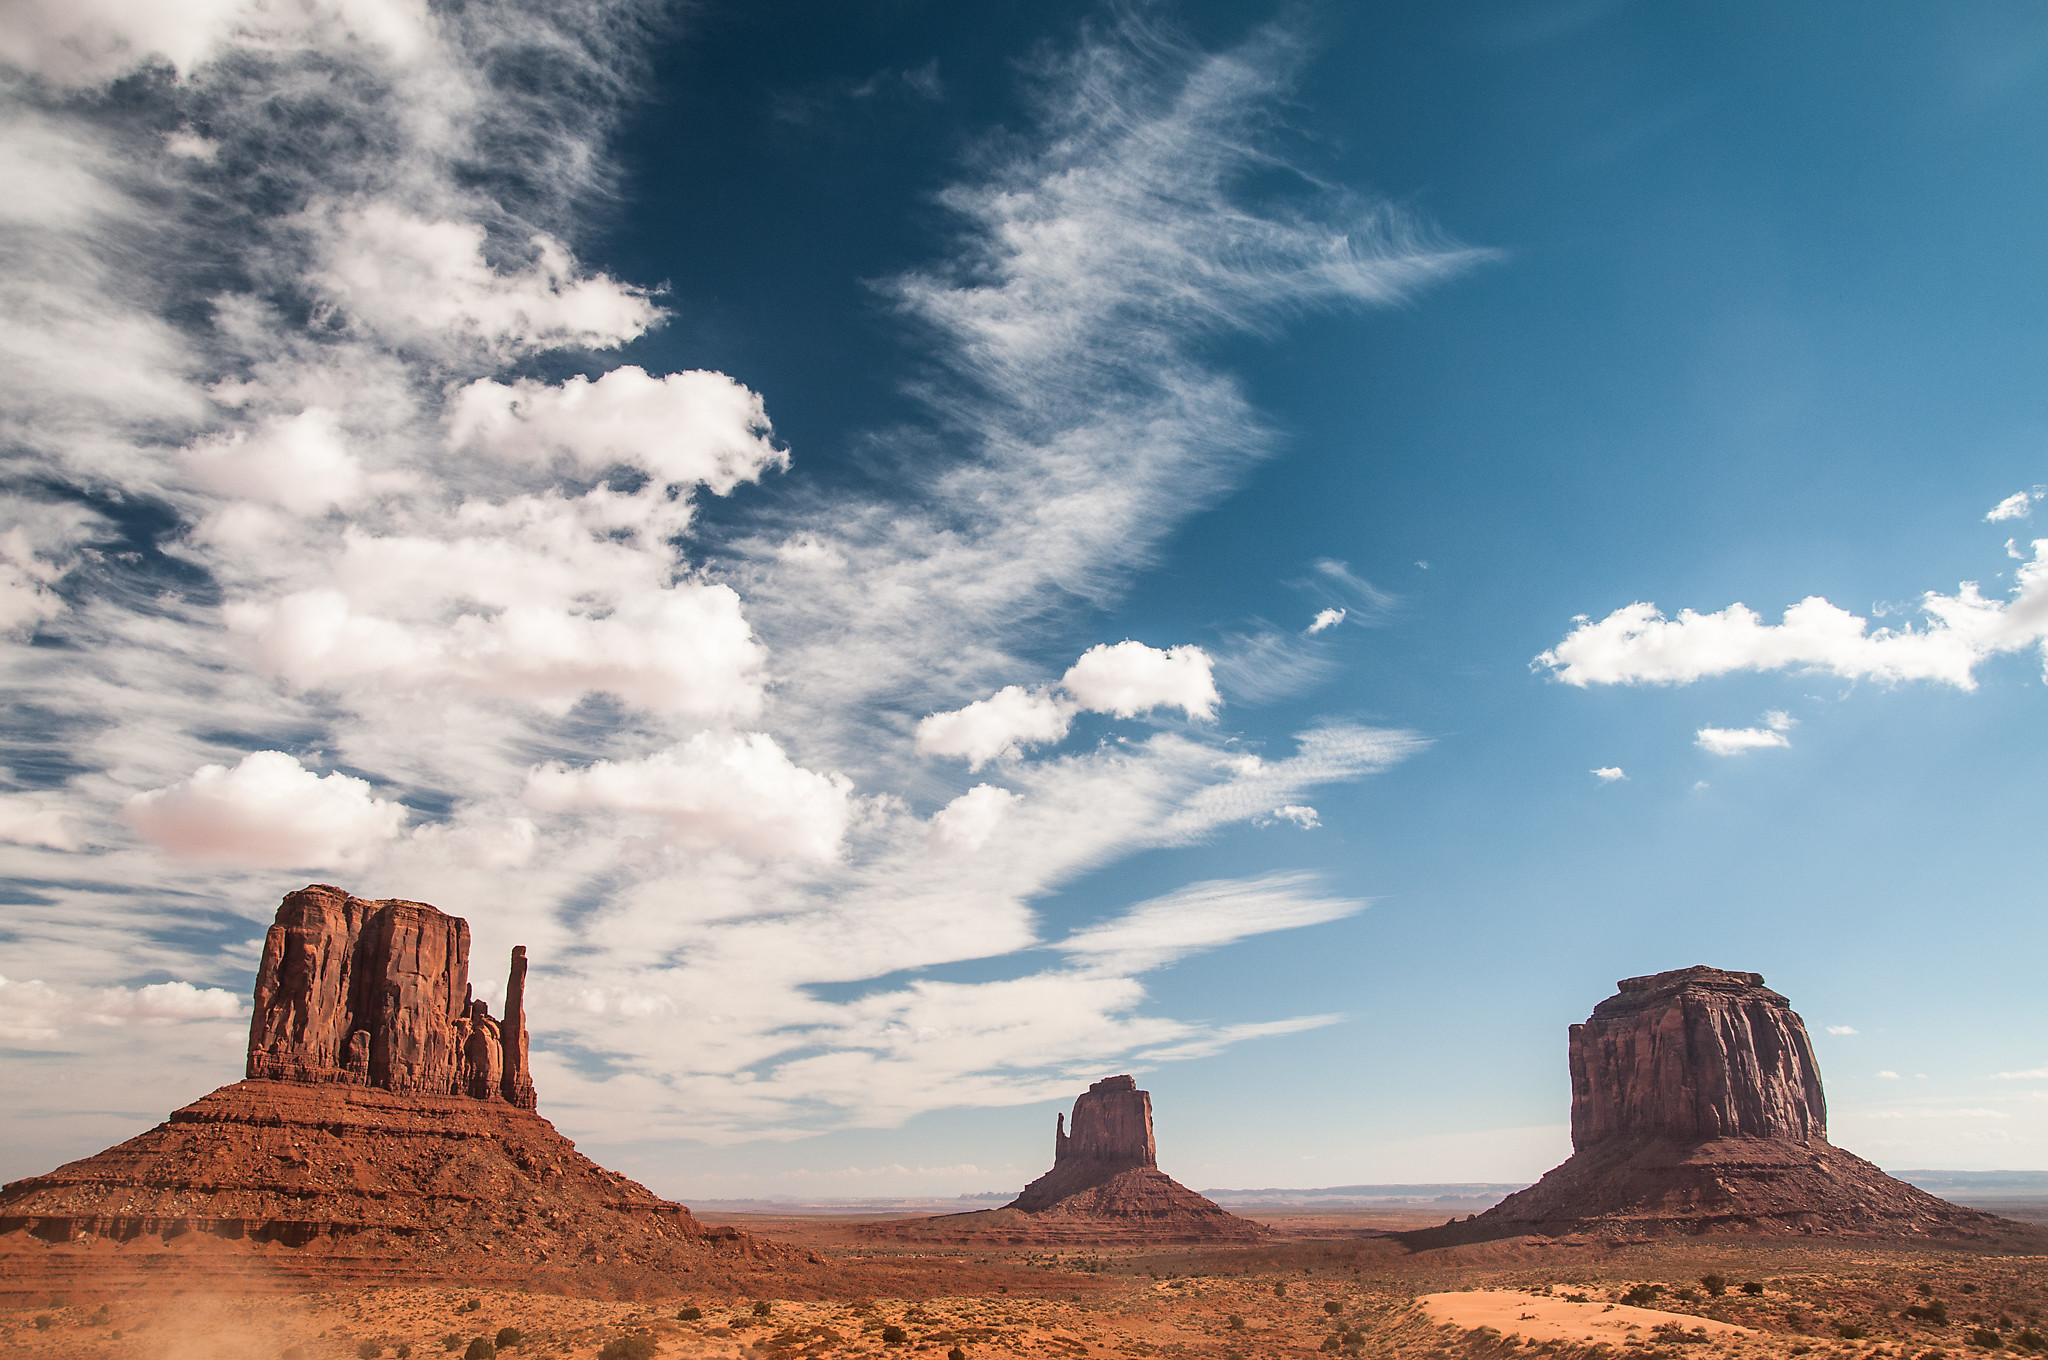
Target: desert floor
1325 1283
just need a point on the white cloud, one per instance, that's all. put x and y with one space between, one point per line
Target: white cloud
968 821
1637 644
298 463
2031 1074
26 819
1608 774
1124 679
1889 1075
997 727
414 281
1778 720
683 429
1303 817
1204 916
1326 618
268 811
729 791
36 1012
2019 505
1733 741
1129 678
1842 1029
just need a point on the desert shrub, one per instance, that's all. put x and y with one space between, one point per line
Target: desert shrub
1332 1307
691 1314
956 1354
1236 1322
480 1348
1935 1312
405 1351
451 1342
1576 1298
1966 1289
638 1346
893 1335
471 1306
99 1317
508 1336
1687 1295
1642 1295
1923 1288
369 1350
762 1309
1675 1333
1280 1288
1849 1331
2030 1340
1752 1287
1986 1338
43 1321
1715 1284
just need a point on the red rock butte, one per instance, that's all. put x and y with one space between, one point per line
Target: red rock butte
1105 1186
1697 1108
386 1132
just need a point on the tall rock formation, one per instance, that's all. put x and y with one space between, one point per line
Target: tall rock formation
1697 1107
1105 1186
377 994
385 1133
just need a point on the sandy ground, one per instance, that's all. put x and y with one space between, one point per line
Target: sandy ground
1541 1317
1324 1286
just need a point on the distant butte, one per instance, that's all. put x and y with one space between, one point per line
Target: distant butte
1105 1186
385 1133
1697 1108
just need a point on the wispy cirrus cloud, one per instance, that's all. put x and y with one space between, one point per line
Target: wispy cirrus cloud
303 332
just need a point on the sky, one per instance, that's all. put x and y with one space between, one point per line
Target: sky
918 556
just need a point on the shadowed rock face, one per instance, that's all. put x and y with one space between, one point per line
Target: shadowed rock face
377 994
1697 1107
1693 1054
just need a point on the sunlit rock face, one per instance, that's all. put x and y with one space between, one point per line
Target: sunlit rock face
1697 1108
1692 1054
377 994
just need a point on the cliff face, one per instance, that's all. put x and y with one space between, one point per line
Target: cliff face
1693 1054
1112 1127
377 994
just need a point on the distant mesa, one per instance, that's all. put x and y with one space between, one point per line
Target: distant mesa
1697 1108
1105 1186
385 1133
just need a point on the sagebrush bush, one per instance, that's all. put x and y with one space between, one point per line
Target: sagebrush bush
638 1346
690 1314
508 1336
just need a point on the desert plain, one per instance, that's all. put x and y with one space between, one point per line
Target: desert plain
1325 1282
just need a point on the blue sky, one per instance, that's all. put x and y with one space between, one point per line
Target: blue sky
829 524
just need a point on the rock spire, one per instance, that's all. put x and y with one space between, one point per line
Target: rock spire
377 994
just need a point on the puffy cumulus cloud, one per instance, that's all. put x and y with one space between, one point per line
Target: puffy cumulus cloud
683 649
1733 741
297 463
968 821
1637 644
683 429
1129 678
1326 618
1608 774
26 819
1125 679
996 727
34 1012
77 42
727 791
1204 916
416 282
1304 817
268 811
2019 505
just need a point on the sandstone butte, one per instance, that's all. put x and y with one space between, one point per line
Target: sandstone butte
385 1132
1105 1186
1697 1108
